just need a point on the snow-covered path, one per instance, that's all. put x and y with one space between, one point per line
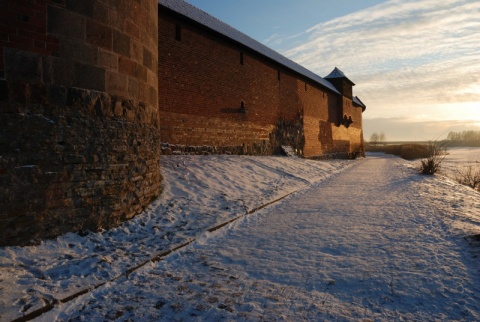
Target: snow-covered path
376 242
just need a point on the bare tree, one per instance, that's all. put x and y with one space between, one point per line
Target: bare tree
374 138
381 137
377 138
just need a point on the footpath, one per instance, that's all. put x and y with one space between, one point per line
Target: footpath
375 242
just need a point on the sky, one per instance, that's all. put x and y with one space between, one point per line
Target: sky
415 63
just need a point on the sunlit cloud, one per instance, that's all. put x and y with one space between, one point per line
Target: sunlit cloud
408 58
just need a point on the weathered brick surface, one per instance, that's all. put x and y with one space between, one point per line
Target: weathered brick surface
215 93
79 132
75 166
23 26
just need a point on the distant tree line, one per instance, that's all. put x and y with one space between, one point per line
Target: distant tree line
377 138
464 138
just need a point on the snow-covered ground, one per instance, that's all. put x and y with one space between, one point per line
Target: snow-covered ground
458 159
366 239
200 193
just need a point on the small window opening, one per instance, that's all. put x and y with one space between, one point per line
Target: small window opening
241 58
178 32
347 120
278 75
23 18
243 109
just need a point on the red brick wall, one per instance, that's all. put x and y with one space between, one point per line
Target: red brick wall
202 82
23 26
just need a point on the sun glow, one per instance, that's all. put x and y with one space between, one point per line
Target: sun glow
461 111
440 112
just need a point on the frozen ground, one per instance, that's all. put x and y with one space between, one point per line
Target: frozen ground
376 241
458 159
200 192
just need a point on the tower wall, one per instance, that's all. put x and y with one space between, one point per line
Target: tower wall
79 127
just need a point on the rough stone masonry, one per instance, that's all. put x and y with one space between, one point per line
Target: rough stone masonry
79 127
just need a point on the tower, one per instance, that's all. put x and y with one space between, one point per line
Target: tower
341 82
79 142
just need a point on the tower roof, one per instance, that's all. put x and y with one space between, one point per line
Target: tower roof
337 73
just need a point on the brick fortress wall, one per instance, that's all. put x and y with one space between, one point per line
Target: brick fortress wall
216 96
79 125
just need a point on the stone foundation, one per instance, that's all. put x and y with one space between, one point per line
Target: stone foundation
72 160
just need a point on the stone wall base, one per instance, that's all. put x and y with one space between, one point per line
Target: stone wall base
73 160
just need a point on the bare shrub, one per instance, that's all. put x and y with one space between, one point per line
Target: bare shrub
469 176
436 154
405 151
413 151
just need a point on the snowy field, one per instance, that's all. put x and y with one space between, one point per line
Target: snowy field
366 239
460 158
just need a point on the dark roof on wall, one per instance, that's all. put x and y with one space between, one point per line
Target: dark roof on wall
187 10
358 102
337 73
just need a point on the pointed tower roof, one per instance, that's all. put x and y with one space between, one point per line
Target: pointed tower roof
337 73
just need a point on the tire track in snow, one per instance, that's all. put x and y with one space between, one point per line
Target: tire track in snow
156 258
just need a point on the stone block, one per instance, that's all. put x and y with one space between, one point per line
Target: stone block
167 151
57 95
116 19
78 51
152 96
129 115
141 72
116 83
127 66
107 59
100 13
58 71
133 88
121 43
136 51
3 89
20 92
99 35
104 108
143 91
132 29
152 78
147 58
77 97
62 22
83 7
22 66
38 94
118 109
89 77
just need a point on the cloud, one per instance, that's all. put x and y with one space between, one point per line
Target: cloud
277 40
406 56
